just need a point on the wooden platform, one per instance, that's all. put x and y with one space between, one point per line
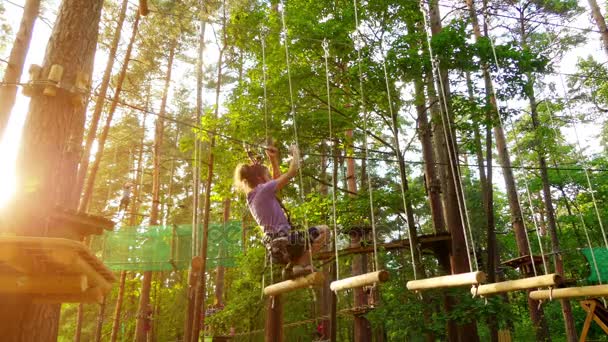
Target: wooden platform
52 270
431 242
524 263
76 226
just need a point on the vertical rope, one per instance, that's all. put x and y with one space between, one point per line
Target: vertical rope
402 171
366 117
264 70
447 126
585 165
334 186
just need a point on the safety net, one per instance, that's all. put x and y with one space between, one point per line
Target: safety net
167 247
601 257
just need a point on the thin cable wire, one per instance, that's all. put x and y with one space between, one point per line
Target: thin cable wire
402 171
366 118
331 140
444 118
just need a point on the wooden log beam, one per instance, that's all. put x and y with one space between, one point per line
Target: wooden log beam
94 278
43 284
143 7
455 280
313 279
571 292
359 281
516 285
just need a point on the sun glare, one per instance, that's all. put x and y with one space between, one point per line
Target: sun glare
8 150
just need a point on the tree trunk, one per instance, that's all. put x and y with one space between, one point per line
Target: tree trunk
550 212
198 323
101 98
16 60
362 327
454 192
52 131
132 222
219 278
88 191
600 22
100 319
196 173
144 297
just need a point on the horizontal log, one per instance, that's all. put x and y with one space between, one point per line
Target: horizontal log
313 279
43 284
455 280
516 285
359 281
571 292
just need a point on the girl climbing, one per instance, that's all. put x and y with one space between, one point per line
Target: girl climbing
285 245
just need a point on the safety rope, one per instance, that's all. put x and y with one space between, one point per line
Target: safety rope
325 46
365 134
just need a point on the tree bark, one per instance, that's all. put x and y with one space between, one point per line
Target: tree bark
198 323
571 333
454 192
101 98
100 319
600 22
52 131
88 191
196 173
144 297
16 61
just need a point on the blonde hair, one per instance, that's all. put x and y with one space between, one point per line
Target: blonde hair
247 177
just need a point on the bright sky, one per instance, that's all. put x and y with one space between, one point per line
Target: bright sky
8 147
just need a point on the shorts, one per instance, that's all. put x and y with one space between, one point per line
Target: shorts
285 247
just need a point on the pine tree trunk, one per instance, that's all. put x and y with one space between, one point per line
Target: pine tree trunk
16 61
571 333
220 274
362 327
454 191
103 89
53 129
198 323
132 222
144 297
100 319
196 174
88 191
600 22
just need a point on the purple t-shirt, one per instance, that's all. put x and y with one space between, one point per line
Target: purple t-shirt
266 209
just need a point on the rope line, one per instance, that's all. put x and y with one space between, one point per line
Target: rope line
333 151
365 136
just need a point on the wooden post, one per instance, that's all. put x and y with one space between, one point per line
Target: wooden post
515 285
587 325
455 280
274 319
